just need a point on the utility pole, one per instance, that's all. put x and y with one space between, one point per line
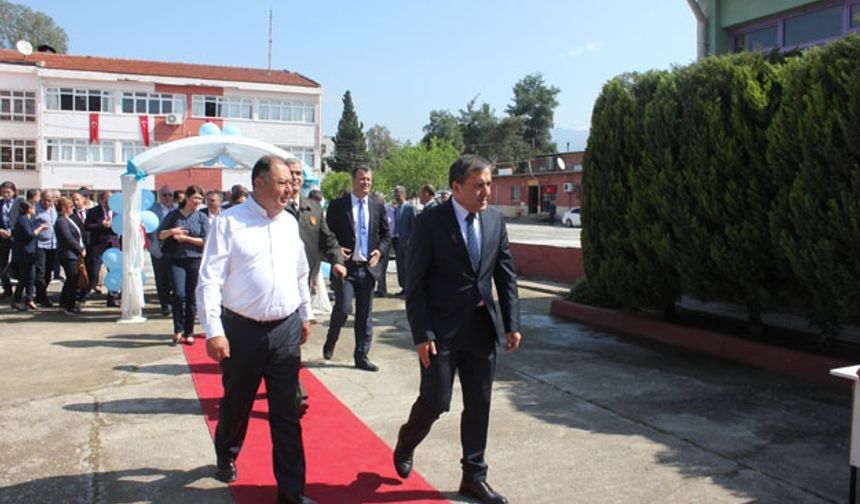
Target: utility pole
270 40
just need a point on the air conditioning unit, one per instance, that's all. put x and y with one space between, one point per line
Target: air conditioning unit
174 119
568 187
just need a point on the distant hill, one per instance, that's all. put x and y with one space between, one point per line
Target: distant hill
577 138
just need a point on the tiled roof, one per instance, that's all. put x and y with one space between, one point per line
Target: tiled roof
141 67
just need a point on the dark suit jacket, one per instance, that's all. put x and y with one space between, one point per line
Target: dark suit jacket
405 223
23 240
68 240
340 221
100 236
82 225
319 241
442 289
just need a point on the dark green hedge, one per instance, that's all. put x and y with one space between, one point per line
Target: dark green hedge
731 179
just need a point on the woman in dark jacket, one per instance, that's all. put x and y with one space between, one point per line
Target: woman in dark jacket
24 256
70 250
182 232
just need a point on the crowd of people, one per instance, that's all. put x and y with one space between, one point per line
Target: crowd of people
248 268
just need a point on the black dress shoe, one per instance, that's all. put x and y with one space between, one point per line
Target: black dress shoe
226 471
380 294
328 350
482 491
19 308
366 365
45 303
296 500
402 459
111 303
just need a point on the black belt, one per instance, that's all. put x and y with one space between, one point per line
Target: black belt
229 314
357 263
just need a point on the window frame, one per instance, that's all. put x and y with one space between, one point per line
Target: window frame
80 151
14 146
18 96
781 19
146 98
54 98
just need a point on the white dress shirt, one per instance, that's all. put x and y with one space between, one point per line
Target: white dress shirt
252 265
461 214
356 254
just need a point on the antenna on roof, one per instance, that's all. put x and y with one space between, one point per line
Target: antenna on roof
270 40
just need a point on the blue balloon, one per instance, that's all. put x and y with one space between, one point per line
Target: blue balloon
112 259
227 161
209 129
149 221
116 224
113 280
231 130
115 202
147 199
325 268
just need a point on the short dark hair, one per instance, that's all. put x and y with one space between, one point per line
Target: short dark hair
11 185
177 192
238 191
191 191
31 193
428 189
361 168
24 207
464 166
264 165
315 194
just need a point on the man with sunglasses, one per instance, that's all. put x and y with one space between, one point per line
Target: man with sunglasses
161 263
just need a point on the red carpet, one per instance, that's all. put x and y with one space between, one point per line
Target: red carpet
346 462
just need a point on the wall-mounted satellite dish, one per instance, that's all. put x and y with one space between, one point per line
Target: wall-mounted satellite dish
24 47
560 163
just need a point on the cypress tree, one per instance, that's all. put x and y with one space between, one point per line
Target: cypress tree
350 147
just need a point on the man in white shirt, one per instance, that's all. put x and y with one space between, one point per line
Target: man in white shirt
254 266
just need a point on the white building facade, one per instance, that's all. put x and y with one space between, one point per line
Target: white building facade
72 121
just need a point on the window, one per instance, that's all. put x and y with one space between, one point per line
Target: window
79 150
813 27
132 149
758 40
515 193
854 21
17 154
235 107
17 106
152 103
280 110
303 154
84 100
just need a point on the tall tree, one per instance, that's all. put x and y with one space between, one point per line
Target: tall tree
380 144
478 127
350 148
415 165
19 22
443 126
535 101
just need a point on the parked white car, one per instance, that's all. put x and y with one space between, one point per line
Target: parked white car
571 218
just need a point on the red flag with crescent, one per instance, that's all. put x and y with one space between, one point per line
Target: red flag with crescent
94 127
144 129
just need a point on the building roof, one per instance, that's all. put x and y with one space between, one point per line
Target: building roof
162 68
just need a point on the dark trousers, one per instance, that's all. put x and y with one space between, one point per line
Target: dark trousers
270 351
5 256
358 286
472 355
44 272
400 260
382 283
183 273
69 295
26 278
161 272
94 267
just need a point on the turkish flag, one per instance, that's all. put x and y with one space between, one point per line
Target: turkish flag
144 129
94 127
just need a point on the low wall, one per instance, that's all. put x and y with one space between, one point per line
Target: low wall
561 264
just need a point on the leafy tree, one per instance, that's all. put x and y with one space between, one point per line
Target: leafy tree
350 148
508 143
443 126
415 165
19 22
380 144
478 127
334 183
536 102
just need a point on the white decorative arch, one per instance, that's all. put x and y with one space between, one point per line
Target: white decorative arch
171 156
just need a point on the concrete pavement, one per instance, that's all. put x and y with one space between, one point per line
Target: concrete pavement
94 411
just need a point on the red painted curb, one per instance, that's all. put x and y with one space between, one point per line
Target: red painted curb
780 360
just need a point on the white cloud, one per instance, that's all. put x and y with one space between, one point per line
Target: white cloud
576 52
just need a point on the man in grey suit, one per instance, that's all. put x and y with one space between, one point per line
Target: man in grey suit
458 250
161 263
405 217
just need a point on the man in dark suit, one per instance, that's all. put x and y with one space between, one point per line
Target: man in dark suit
457 250
405 216
10 204
102 237
359 223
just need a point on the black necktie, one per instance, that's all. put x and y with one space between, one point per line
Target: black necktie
294 209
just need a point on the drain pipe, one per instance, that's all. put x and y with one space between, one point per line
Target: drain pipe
702 32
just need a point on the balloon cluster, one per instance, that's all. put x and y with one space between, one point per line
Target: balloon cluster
112 259
212 129
147 218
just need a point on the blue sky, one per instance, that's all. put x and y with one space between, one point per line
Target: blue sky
400 59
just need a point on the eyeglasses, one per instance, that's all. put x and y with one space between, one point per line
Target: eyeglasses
167 194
